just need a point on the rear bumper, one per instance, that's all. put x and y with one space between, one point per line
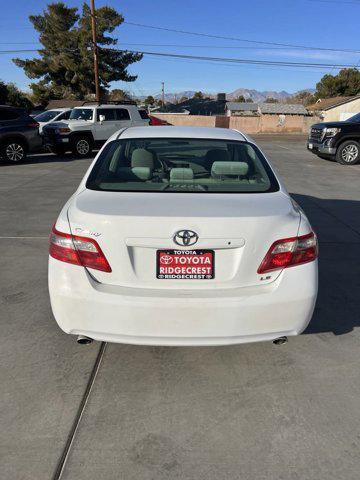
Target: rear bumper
182 317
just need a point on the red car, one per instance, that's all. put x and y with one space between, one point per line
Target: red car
157 121
153 120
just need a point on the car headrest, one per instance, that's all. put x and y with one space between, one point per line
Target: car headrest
220 169
134 173
217 155
181 174
142 158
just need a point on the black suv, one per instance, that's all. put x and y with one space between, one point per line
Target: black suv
19 134
336 140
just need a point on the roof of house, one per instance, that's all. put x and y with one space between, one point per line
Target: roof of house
283 108
328 103
242 106
64 103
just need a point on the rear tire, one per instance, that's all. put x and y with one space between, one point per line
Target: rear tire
13 151
82 146
348 153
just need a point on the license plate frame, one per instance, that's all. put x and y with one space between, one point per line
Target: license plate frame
204 269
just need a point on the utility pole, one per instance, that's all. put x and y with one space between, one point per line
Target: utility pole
163 93
95 50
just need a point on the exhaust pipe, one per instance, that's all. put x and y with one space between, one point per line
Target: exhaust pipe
280 341
82 340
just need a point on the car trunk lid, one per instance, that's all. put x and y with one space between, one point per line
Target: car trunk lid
131 227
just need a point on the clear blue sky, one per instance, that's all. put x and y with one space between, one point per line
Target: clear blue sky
320 23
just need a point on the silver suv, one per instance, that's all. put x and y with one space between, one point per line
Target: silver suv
90 126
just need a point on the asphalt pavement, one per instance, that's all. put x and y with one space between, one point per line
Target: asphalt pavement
249 412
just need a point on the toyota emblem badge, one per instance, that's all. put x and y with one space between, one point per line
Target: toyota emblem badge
186 238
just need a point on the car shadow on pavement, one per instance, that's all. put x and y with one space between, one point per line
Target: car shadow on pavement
337 224
46 158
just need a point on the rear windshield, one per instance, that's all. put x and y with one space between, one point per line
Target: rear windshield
144 115
181 165
46 116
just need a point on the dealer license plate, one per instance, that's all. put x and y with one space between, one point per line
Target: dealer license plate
185 264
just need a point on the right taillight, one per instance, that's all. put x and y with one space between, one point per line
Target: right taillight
76 250
289 252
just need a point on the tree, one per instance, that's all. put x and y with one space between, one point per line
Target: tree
183 99
345 83
240 99
271 100
149 100
199 95
11 95
3 93
249 100
65 67
117 95
304 98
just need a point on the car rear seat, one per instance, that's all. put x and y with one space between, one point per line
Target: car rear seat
223 170
142 166
233 172
142 158
134 174
181 175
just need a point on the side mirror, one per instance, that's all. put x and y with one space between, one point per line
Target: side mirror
101 118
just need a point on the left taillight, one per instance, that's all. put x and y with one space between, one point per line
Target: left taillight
76 250
289 252
33 125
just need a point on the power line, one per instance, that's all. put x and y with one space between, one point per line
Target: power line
241 60
237 65
219 59
223 37
177 45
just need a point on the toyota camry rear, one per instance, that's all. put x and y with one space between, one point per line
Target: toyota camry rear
182 236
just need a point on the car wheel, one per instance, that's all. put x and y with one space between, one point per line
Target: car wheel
13 151
82 146
57 150
348 153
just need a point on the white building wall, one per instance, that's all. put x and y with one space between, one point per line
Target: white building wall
350 108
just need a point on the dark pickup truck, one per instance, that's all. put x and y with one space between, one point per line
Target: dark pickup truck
336 140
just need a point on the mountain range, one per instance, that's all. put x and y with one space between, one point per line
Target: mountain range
256 95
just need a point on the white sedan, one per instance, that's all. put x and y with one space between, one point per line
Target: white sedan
182 236
50 116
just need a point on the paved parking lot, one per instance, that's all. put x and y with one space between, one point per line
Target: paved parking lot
250 412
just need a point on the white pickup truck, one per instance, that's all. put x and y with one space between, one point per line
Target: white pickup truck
90 126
